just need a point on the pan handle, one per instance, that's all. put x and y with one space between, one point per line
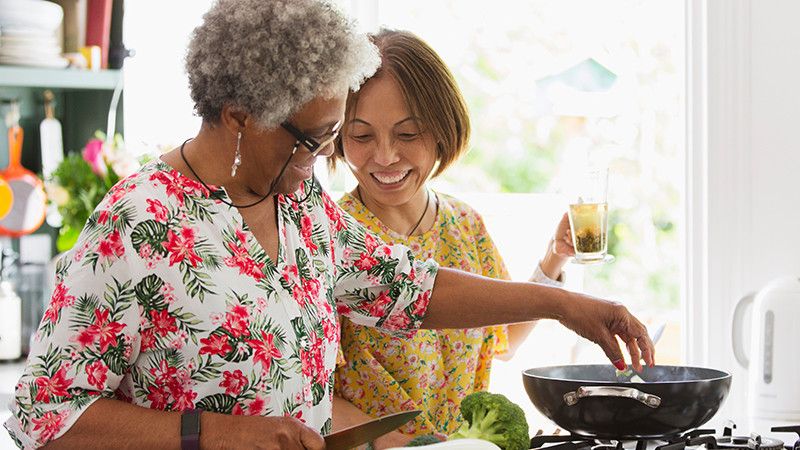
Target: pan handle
572 398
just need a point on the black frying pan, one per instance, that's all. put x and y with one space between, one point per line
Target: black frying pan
591 400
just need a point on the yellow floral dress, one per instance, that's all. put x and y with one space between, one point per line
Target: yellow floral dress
435 369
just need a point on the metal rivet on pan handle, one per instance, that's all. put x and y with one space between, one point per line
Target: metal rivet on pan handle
572 398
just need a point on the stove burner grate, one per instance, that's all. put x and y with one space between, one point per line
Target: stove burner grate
694 439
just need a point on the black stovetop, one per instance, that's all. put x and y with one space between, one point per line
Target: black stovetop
707 439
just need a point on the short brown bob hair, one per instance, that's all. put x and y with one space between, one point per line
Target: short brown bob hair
429 88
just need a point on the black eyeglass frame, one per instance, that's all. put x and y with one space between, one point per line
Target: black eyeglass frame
311 144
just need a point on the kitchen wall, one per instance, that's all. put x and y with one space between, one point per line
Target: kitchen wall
752 188
775 140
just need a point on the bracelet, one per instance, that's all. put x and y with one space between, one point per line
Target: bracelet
190 429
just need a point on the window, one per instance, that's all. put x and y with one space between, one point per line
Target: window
158 109
552 85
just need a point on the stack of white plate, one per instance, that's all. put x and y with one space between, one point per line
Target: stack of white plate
28 33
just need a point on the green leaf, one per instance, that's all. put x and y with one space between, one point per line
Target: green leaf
320 237
173 357
79 399
84 311
114 357
302 263
327 427
46 328
67 237
119 297
235 355
318 393
385 270
320 266
301 333
150 232
148 292
219 403
197 283
207 370
125 213
50 362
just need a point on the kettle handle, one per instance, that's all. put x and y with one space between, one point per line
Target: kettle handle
737 330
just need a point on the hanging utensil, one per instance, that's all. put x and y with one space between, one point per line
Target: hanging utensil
50 130
28 210
52 150
6 198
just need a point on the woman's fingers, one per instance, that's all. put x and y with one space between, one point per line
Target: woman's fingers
603 321
639 344
648 349
636 356
311 440
564 237
644 345
611 348
634 334
563 244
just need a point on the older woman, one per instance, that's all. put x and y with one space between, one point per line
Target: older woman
407 123
211 279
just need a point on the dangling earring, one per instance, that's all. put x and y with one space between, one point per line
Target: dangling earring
237 157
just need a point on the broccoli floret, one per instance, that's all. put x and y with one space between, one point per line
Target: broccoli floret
427 439
494 418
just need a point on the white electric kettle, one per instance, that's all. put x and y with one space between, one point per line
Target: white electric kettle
774 360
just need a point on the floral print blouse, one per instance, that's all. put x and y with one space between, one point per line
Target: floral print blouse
168 302
435 369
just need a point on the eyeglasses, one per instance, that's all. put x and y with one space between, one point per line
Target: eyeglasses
311 144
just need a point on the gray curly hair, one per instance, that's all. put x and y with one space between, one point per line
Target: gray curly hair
270 57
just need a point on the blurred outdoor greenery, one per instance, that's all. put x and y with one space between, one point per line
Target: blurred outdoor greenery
554 85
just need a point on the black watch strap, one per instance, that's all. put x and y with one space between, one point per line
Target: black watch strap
190 429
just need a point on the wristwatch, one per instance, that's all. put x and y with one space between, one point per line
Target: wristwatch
190 429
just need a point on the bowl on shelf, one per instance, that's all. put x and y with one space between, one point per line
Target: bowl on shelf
30 14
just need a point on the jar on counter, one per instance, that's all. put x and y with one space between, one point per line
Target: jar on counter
10 322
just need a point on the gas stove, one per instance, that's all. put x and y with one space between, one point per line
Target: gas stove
700 439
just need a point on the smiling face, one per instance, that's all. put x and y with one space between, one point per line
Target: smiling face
271 148
389 150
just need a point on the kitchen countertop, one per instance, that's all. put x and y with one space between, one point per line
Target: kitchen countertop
9 375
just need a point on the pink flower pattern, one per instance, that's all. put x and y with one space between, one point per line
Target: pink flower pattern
218 321
159 211
97 373
180 247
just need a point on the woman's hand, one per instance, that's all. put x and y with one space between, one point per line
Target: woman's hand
559 250
562 239
219 431
601 321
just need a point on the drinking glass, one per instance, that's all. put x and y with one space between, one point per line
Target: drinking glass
588 217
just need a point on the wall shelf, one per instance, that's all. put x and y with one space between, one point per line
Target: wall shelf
82 100
13 76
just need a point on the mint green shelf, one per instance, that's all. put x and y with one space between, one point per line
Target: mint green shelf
13 76
82 98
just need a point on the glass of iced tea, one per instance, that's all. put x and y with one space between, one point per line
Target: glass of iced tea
588 217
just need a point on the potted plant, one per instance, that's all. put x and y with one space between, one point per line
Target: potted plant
81 181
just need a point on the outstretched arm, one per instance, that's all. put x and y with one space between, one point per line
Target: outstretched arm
464 300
